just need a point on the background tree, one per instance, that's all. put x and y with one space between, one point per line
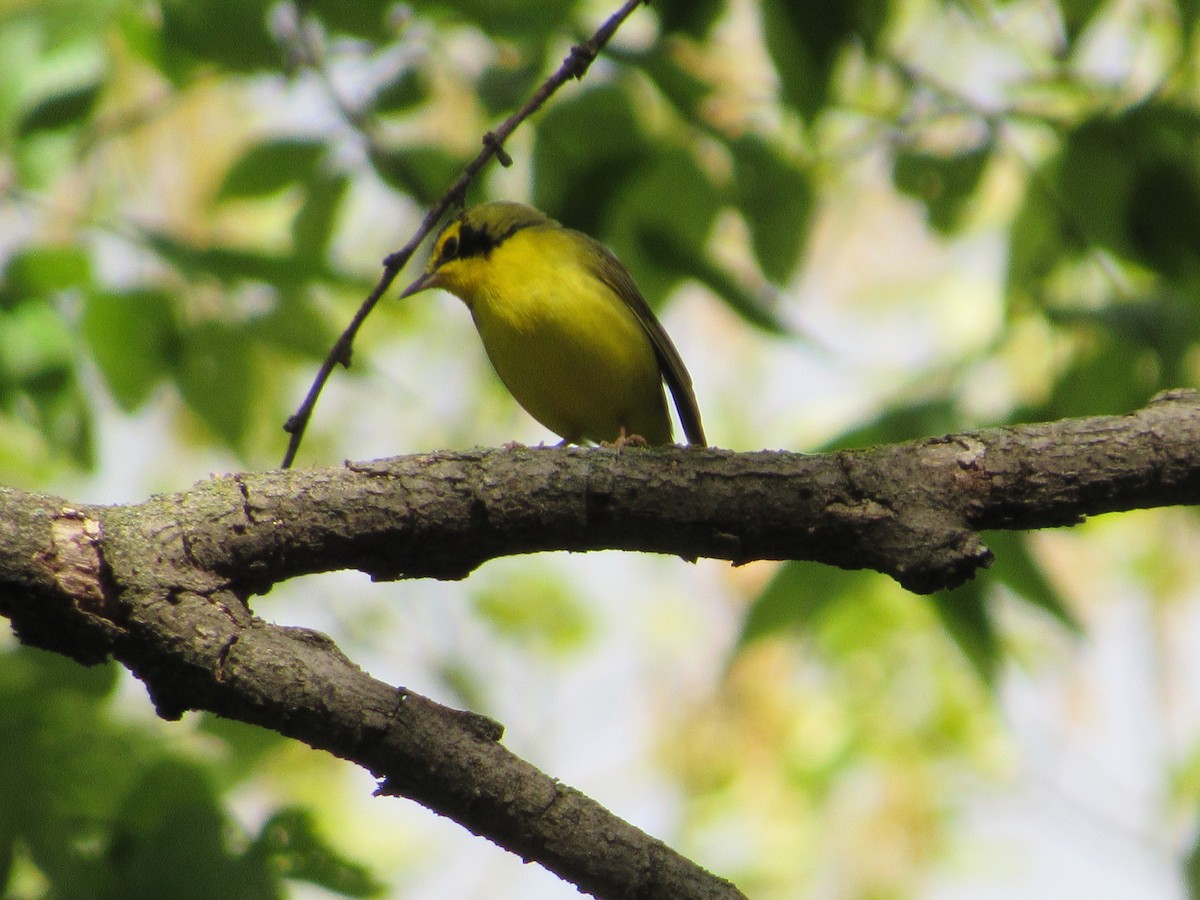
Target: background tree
873 222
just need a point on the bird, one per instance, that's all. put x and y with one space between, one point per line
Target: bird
564 325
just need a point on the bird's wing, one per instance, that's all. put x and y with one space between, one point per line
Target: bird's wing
613 273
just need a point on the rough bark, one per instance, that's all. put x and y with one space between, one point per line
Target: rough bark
162 585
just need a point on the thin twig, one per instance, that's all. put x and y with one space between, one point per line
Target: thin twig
575 66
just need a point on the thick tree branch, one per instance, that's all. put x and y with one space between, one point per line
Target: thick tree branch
160 585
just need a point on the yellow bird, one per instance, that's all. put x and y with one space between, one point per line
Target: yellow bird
564 325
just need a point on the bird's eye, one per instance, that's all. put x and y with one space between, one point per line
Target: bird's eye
450 248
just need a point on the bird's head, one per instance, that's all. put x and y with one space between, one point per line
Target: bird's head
462 254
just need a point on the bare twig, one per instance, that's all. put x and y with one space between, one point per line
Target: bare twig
575 65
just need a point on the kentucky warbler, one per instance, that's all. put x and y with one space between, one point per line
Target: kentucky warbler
564 325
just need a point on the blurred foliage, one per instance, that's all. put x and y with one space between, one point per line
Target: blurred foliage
97 807
169 238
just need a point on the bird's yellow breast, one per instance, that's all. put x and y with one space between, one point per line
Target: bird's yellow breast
562 341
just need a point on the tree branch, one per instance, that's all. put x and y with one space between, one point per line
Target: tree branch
161 585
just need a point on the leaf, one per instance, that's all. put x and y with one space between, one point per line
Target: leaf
1018 569
1131 183
901 422
798 595
537 610
173 813
661 219
590 139
367 19
504 85
1189 13
289 845
671 256
232 265
1128 184
294 325
694 18
965 615
680 87
1104 379
231 34
63 415
406 90
1037 242
1076 15
1167 323
804 40
1191 869
35 343
518 20
270 166
249 747
312 228
216 375
133 336
945 183
776 197
36 272
423 172
71 107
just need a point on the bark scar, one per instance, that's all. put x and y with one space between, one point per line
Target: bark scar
76 560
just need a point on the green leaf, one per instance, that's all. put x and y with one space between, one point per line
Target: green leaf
672 257
590 139
1189 13
36 272
518 20
1016 567
232 266
798 596
503 86
271 166
1106 377
216 375
945 183
661 219
294 325
402 93
71 107
965 615
63 415
312 228
1131 183
249 747
423 172
680 87
1076 14
172 814
35 343
1165 322
289 845
694 18
45 674
901 422
367 19
1037 243
776 197
133 337
1128 184
804 40
535 609
231 34
1191 869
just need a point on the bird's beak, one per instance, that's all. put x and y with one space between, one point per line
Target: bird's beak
425 280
